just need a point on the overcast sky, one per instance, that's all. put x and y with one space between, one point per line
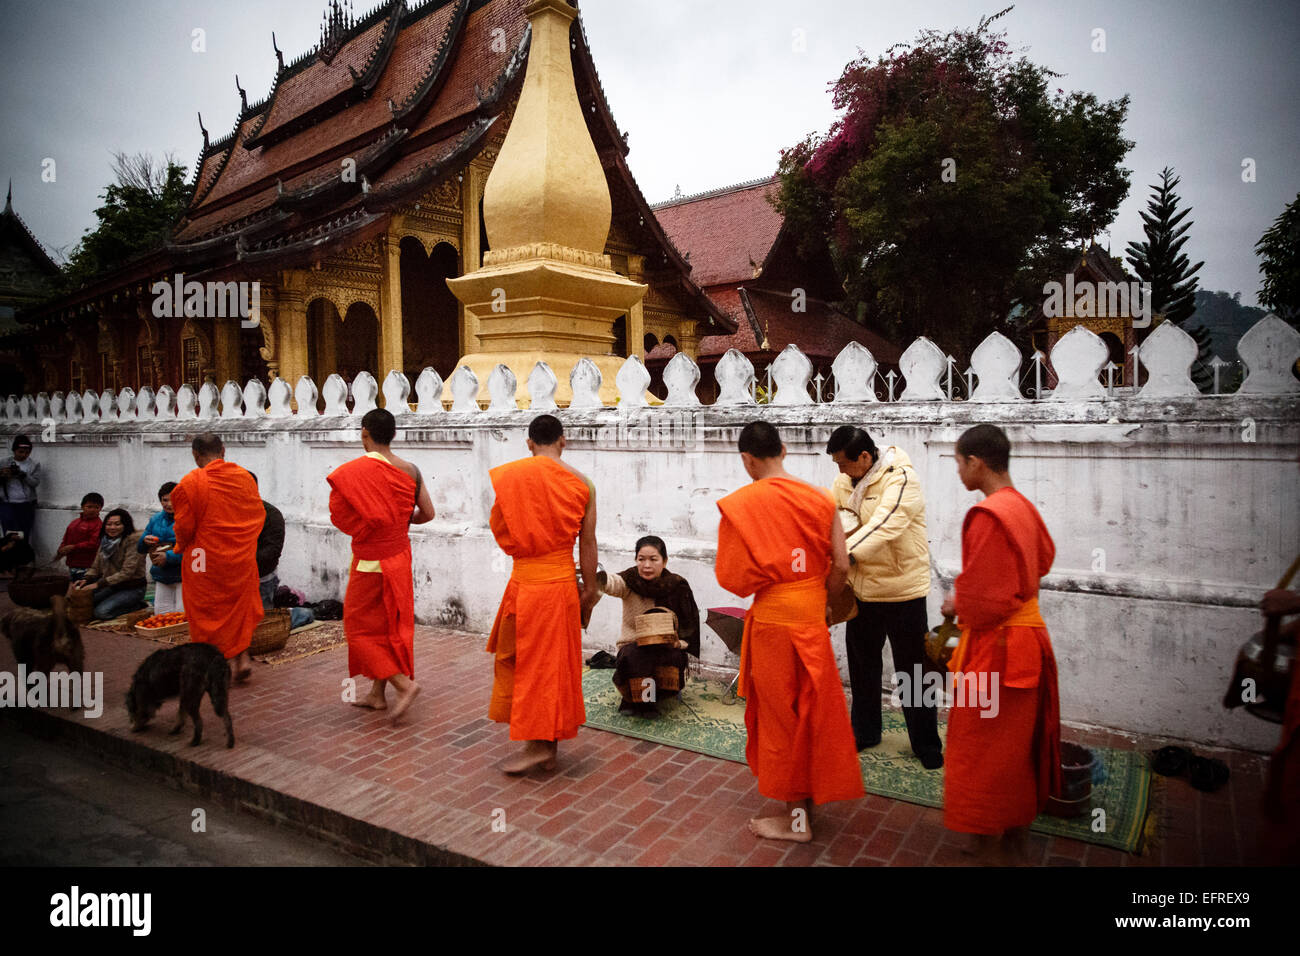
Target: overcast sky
709 91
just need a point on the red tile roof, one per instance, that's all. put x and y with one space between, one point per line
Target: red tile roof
821 332
727 233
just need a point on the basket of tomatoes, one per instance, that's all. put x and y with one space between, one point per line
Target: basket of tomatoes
171 627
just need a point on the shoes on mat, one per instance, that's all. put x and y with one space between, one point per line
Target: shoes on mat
601 660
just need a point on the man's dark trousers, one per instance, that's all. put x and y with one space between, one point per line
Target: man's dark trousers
904 622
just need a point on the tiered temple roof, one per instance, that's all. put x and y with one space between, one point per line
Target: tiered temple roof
409 92
387 107
26 269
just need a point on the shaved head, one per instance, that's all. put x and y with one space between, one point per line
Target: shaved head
208 445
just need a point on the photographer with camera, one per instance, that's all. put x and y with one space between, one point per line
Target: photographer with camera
19 478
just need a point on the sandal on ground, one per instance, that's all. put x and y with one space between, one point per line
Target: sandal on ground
1208 773
1170 761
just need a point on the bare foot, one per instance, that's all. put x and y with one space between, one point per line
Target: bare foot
372 701
534 754
778 828
242 667
404 700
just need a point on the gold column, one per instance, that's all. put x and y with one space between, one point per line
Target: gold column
636 315
225 350
291 324
327 361
390 308
471 251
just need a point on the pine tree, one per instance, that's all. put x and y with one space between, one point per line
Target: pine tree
1159 260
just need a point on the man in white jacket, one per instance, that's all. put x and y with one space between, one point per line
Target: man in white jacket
883 512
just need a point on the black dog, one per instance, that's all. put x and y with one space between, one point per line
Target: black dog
187 671
41 639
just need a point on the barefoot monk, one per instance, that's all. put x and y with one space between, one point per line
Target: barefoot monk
1004 730
542 504
218 518
781 541
375 499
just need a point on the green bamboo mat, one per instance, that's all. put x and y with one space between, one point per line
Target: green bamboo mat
708 720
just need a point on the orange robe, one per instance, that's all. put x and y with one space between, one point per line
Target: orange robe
537 634
1282 793
218 518
999 770
371 500
774 542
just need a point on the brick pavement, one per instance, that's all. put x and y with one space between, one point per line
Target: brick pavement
426 791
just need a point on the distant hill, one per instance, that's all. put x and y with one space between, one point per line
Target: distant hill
1225 318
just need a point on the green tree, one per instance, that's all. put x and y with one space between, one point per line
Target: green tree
1159 260
954 184
137 216
1279 250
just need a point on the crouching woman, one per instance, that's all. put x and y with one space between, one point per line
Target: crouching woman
645 586
117 575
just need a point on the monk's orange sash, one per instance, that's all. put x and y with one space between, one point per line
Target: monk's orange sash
1027 615
546 569
791 602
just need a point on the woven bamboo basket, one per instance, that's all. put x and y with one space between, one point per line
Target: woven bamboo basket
81 606
172 634
35 590
272 633
656 626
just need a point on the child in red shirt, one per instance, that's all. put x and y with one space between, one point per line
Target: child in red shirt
81 540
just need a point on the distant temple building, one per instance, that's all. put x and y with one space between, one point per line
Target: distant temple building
27 275
1110 316
746 261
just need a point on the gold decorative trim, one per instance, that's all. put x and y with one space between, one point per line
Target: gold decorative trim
547 250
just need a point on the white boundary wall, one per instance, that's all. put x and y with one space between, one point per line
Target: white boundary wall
1192 520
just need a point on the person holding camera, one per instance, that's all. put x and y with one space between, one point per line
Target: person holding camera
19 477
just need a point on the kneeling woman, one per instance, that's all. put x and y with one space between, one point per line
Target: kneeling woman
645 586
117 575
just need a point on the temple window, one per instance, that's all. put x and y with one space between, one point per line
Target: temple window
190 362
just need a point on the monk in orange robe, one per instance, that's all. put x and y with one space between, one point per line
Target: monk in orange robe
779 539
372 499
541 505
1004 729
1280 833
219 515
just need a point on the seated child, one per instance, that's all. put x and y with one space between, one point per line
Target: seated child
81 540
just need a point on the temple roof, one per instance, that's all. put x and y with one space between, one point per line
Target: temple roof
27 272
400 99
735 241
820 331
14 231
728 233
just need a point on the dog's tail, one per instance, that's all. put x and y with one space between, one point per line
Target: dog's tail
218 679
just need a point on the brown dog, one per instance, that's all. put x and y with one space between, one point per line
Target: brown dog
42 639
